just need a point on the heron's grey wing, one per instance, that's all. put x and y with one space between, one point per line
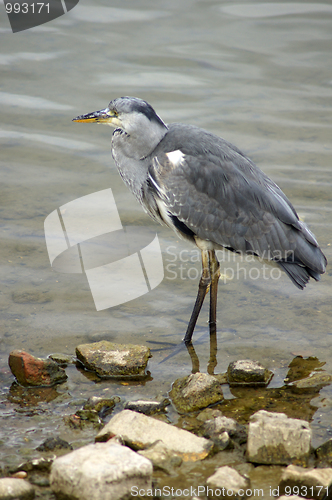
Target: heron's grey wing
215 201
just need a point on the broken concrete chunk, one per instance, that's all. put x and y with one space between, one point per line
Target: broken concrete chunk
98 471
273 438
32 371
108 359
247 372
311 483
226 482
195 392
140 431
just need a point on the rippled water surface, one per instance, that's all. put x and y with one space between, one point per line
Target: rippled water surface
257 73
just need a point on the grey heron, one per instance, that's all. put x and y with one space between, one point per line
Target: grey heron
209 193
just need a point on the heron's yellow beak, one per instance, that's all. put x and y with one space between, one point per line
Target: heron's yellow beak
103 116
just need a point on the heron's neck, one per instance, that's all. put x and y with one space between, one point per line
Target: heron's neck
139 145
131 154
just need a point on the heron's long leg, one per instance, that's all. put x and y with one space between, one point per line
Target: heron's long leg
214 268
202 290
215 274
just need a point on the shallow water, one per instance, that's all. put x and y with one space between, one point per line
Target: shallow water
259 74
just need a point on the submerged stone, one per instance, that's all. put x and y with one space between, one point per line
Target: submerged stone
54 443
313 383
196 391
247 372
109 360
324 453
31 297
32 371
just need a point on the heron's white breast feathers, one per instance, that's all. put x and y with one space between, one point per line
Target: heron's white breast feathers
158 187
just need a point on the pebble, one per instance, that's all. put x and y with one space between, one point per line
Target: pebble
226 482
20 474
273 438
109 360
98 403
16 489
63 359
247 372
32 371
140 431
215 426
196 391
316 482
106 471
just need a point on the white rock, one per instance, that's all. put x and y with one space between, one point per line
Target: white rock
292 497
140 431
273 438
15 489
106 471
227 483
312 483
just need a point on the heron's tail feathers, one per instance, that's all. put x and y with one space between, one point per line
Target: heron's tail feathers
300 274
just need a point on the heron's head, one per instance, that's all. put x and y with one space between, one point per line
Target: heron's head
128 113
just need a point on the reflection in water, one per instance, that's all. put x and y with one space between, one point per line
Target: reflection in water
213 353
31 396
286 399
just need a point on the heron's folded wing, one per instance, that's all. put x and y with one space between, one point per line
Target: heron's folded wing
218 202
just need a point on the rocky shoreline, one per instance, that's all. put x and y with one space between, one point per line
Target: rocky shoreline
137 452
